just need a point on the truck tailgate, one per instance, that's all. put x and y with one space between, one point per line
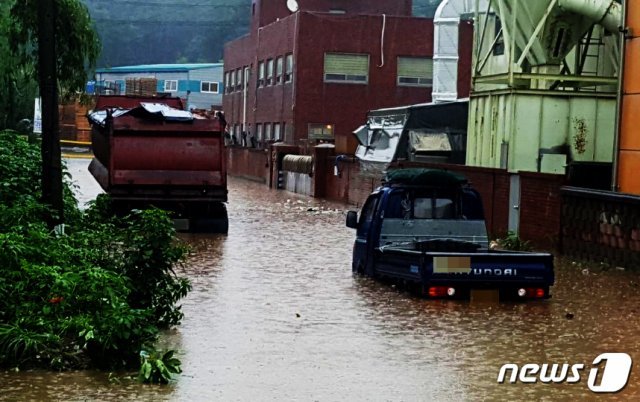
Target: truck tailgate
482 269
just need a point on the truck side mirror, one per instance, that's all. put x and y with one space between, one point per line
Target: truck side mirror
352 219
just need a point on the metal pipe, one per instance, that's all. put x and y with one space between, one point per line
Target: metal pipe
607 13
616 136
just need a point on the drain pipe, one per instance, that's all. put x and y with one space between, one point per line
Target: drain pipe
619 100
607 13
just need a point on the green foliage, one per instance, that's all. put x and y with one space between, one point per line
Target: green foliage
92 297
17 85
77 44
157 367
513 242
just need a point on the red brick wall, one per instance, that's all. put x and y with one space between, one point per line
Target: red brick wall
465 50
540 208
346 105
540 200
248 163
312 100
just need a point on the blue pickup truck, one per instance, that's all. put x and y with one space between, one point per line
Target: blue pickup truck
426 228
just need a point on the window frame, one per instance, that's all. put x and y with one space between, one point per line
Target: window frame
346 79
261 74
288 68
428 82
209 84
270 72
267 132
239 79
277 134
279 70
326 127
170 90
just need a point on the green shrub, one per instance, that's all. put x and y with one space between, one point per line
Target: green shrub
92 297
157 367
513 242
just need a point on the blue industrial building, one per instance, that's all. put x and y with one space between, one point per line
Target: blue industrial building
200 84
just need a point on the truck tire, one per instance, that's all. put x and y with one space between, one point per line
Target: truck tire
216 220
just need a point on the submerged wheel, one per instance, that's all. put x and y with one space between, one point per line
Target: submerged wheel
215 220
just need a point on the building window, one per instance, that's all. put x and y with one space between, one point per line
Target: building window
232 81
346 68
259 132
415 71
239 79
279 70
288 71
247 75
498 48
261 74
170 85
267 131
276 132
321 131
209 87
226 82
270 72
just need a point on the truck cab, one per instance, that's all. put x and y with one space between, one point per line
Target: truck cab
426 227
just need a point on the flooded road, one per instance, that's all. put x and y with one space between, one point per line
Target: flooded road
275 314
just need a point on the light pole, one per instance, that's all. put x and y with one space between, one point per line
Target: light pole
51 160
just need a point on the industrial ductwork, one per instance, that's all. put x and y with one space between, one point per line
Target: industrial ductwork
607 13
445 49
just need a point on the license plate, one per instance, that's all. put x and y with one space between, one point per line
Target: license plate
485 295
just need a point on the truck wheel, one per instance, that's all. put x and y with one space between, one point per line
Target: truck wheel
216 221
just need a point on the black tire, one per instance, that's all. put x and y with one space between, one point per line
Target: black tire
216 221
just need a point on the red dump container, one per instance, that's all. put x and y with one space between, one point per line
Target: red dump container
149 151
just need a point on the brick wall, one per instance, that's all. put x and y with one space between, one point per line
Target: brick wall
601 226
540 203
540 208
249 163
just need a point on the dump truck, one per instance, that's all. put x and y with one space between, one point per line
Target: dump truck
151 152
426 228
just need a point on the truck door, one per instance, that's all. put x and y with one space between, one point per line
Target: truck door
363 248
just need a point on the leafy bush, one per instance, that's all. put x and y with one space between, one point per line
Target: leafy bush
91 297
156 367
513 242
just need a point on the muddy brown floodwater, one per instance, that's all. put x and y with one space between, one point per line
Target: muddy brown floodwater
275 314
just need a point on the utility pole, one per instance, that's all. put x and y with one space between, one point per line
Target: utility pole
51 162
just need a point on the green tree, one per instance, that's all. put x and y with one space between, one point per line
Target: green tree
17 86
77 43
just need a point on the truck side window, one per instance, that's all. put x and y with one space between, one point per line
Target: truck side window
397 206
367 213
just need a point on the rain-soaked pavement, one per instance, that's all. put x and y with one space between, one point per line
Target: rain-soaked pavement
275 314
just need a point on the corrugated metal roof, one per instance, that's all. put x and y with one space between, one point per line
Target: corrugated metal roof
150 68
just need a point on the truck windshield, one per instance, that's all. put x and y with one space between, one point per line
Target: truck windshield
404 205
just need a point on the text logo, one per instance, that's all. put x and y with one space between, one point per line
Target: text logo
609 373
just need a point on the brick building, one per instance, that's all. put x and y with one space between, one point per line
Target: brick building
311 76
